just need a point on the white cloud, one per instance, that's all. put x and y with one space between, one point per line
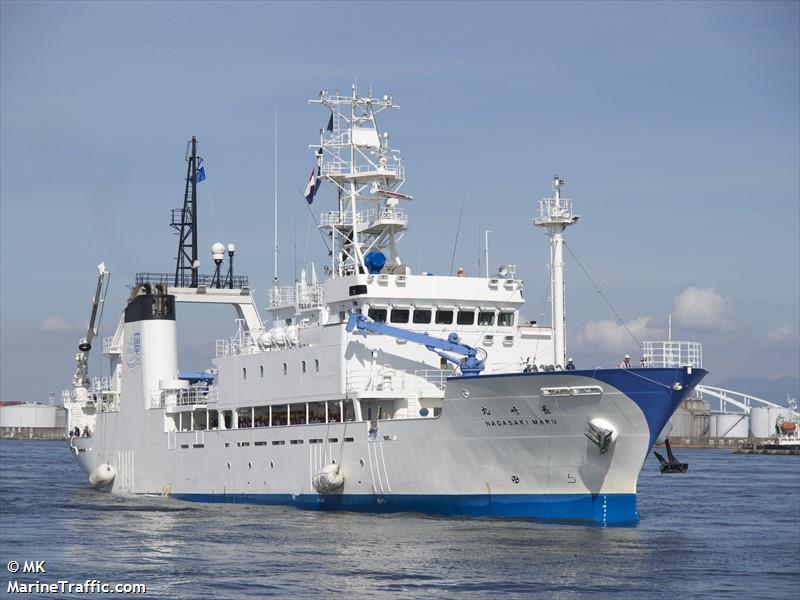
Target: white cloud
614 337
703 309
55 324
782 336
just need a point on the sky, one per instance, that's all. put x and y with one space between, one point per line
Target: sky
675 126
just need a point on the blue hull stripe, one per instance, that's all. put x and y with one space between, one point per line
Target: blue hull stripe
604 509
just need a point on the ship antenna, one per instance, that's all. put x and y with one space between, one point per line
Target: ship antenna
275 217
555 215
185 221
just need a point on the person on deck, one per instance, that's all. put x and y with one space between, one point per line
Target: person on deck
570 365
626 362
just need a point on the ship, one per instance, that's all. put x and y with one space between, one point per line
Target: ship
373 388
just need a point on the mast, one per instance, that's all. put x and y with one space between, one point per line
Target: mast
275 216
367 175
185 221
555 215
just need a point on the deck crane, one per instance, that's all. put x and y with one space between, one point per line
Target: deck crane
472 363
81 378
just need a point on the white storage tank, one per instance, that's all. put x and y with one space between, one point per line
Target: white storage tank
729 425
759 422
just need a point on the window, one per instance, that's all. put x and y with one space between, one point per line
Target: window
349 411
316 412
444 317
304 366
285 369
334 411
316 365
422 315
244 417
377 314
297 413
261 416
505 319
244 372
356 290
279 415
261 370
485 317
399 315
465 317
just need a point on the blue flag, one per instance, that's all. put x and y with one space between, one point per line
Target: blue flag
312 186
201 174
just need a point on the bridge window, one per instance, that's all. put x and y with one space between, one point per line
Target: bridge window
485 317
422 315
444 317
505 319
465 317
377 314
399 315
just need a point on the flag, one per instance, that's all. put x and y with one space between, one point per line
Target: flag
330 123
312 185
201 174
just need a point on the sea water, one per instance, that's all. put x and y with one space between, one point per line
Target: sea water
729 528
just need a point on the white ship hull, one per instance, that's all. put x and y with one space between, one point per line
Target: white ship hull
499 448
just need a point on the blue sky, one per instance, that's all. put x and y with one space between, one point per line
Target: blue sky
675 125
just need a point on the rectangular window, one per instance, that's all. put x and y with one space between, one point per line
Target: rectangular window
285 369
316 365
316 412
261 416
279 442
244 372
377 314
485 318
356 290
399 315
279 415
505 319
304 366
334 411
243 418
349 411
444 317
466 317
261 368
422 315
297 413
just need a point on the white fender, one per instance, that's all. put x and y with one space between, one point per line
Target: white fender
102 476
328 478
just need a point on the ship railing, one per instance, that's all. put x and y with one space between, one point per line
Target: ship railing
183 396
550 210
283 295
109 347
344 168
235 347
240 282
387 379
343 217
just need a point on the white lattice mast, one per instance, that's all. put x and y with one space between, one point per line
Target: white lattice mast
555 215
367 175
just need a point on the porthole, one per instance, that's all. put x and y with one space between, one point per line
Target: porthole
272 464
229 466
249 464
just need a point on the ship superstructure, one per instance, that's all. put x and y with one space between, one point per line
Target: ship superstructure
303 409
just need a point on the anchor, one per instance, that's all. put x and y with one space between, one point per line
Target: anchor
601 433
670 464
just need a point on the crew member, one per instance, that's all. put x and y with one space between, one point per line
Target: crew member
626 362
570 365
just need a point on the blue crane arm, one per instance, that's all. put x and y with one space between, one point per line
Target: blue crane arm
469 365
